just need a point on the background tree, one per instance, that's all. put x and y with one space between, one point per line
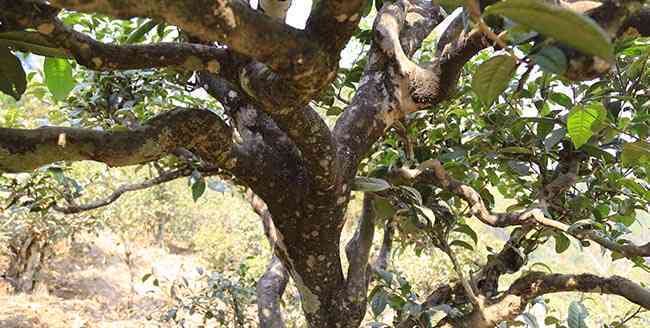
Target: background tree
423 133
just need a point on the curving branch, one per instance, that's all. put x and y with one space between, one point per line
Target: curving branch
287 51
358 248
535 284
332 22
275 8
358 253
269 289
381 262
392 85
434 173
273 282
26 149
486 280
55 39
163 178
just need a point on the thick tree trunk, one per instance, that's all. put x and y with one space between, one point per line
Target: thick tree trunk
27 259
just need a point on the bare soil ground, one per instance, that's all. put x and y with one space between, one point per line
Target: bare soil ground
90 285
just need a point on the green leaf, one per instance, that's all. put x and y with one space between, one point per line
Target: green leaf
367 184
492 77
386 276
13 80
198 189
635 153
577 315
562 24
554 138
383 208
379 302
551 60
146 276
626 220
562 242
461 243
635 187
367 8
139 33
58 77
551 320
561 99
584 121
463 228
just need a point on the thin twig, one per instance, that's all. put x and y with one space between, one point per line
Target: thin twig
165 177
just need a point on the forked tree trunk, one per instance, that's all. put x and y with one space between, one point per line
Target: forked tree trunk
29 253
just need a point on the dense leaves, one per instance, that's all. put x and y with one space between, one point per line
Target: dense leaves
562 24
517 133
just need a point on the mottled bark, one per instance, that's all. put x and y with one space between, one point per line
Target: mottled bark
265 73
26 149
270 288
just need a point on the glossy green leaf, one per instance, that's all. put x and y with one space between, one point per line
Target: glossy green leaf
584 121
563 24
562 242
463 228
58 77
13 80
554 138
551 60
198 189
577 315
461 243
561 99
386 276
635 188
635 153
379 302
138 34
492 77
626 220
383 208
367 184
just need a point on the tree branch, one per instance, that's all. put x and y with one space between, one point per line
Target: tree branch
270 288
437 175
486 280
287 51
384 92
535 284
333 22
300 128
381 262
358 248
358 253
273 282
57 40
163 178
24 150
